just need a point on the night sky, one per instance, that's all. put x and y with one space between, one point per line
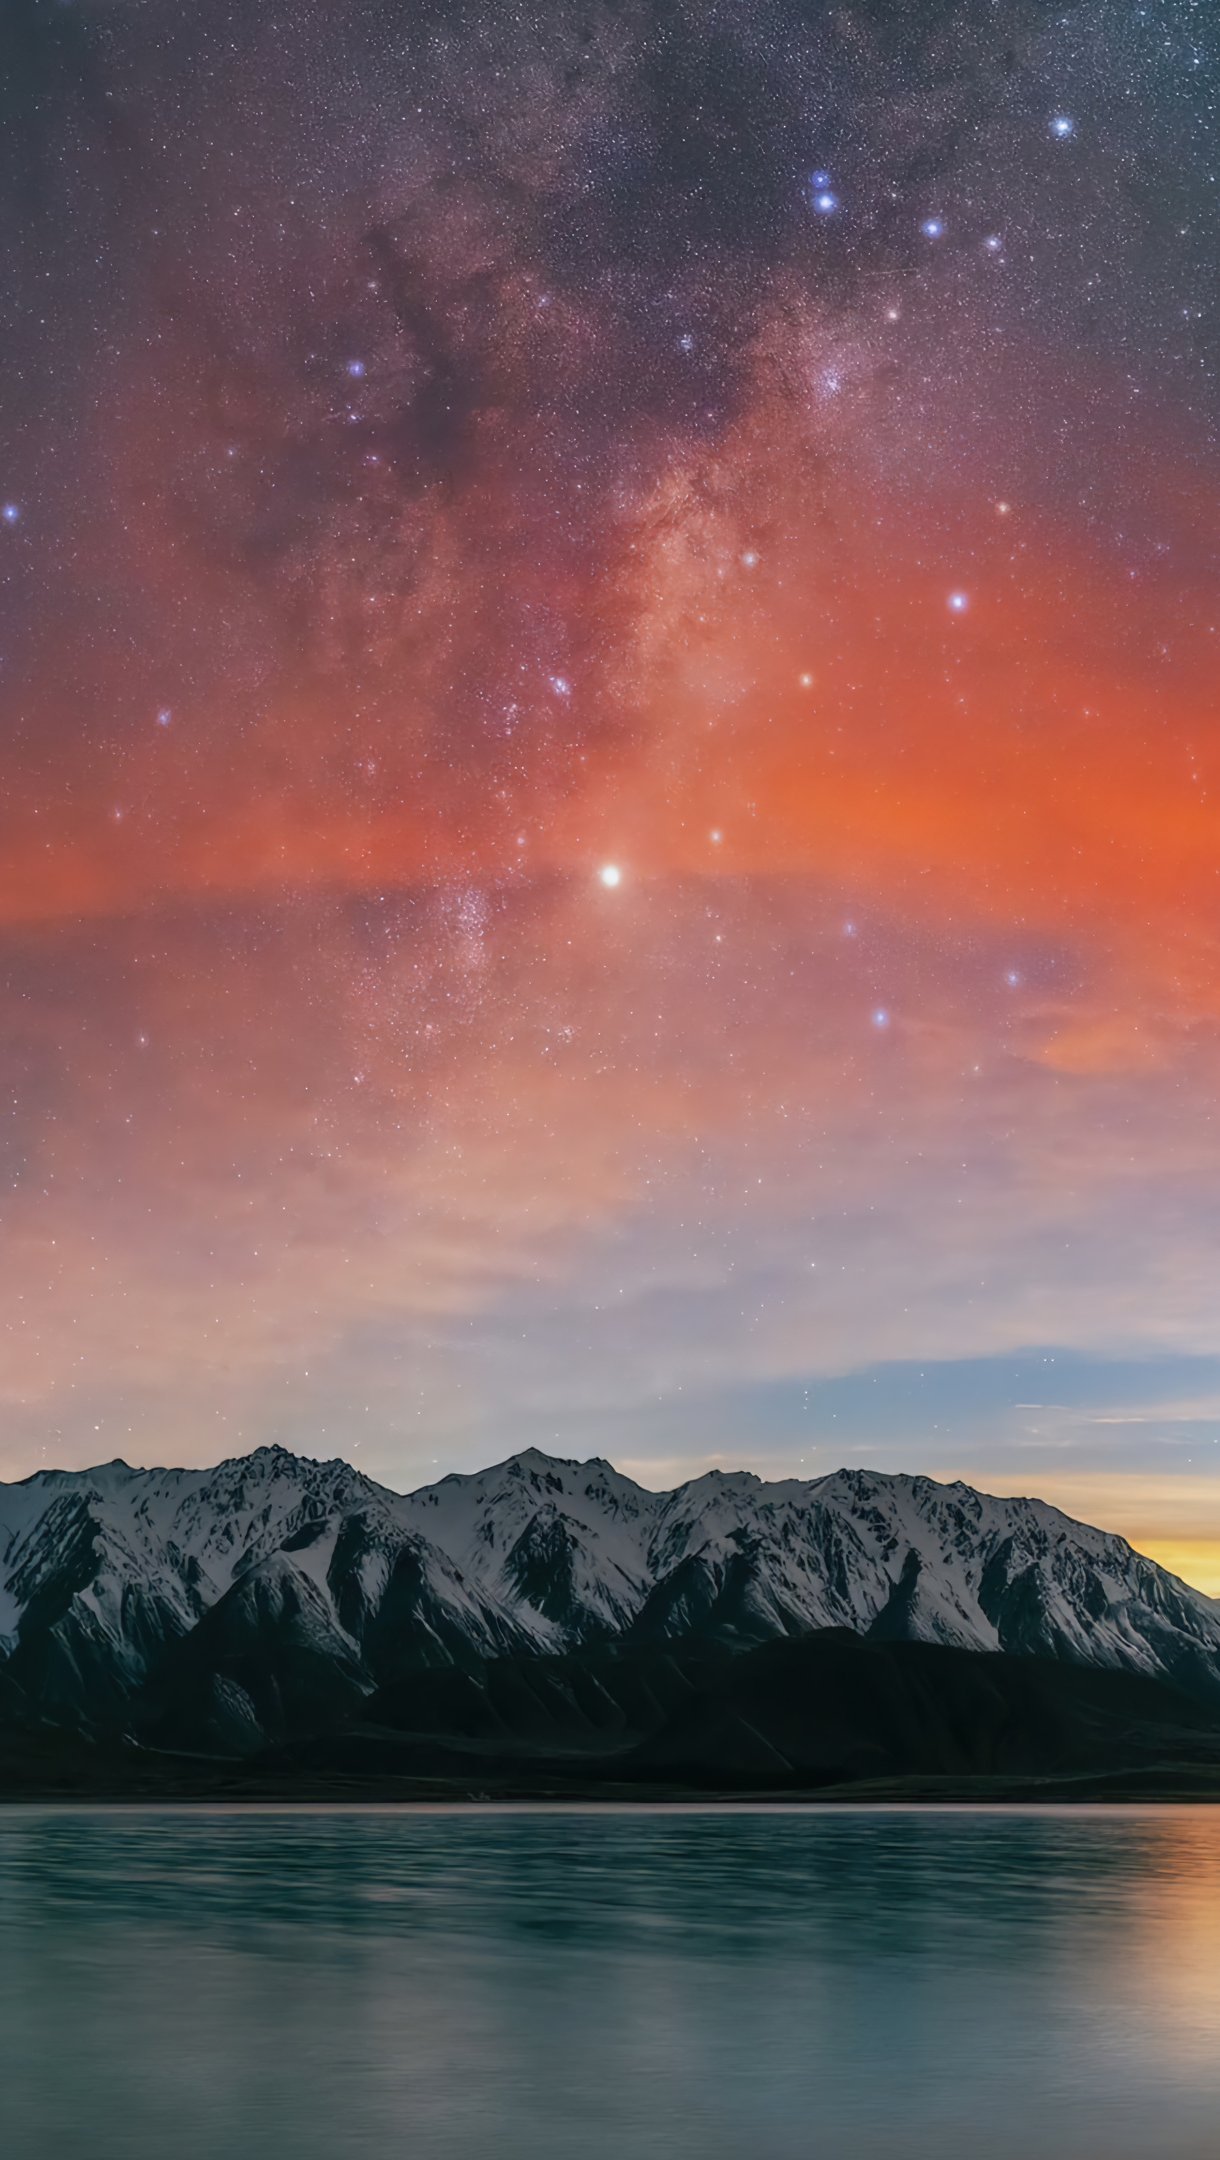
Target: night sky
611 773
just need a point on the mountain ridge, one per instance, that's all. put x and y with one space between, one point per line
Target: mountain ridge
236 1606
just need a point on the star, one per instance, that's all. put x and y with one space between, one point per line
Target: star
1062 126
933 228
610 875
881 1018
11 513
958 603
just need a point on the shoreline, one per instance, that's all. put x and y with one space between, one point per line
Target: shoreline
1169 1786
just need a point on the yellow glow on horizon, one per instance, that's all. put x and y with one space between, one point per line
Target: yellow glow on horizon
1175 1520
1196 1560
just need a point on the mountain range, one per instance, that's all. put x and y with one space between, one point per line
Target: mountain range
552 1613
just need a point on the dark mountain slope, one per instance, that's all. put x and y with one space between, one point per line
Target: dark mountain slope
267 1660
833 1708
829 1710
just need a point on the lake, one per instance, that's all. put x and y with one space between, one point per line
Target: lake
732 1985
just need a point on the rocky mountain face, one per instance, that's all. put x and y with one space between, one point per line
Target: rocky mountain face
274 1596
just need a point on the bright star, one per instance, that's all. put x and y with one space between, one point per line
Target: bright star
825 202
881 1018
561 686
356 368
993 243
715 838
932 228
959 602
1062 126
1012 978
164 716
610 875
11 513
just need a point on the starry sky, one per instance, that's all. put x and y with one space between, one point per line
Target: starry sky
611 780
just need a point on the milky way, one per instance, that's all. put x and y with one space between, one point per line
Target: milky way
611 812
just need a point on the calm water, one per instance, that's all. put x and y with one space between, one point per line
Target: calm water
746 1986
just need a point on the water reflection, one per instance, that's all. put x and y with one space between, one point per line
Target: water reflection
741 1986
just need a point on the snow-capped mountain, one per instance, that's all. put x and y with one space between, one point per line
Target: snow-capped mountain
273 1592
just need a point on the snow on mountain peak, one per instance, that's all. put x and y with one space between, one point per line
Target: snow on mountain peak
103 1570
